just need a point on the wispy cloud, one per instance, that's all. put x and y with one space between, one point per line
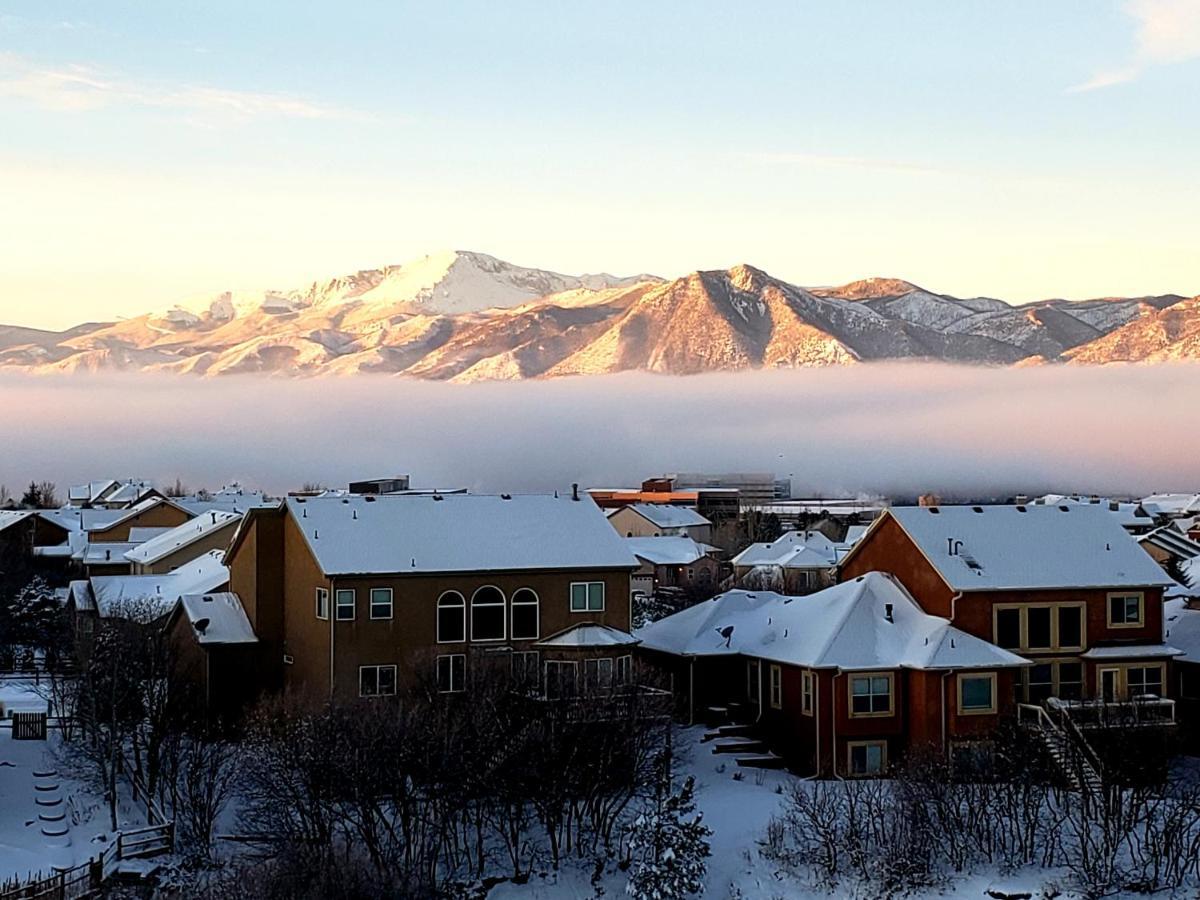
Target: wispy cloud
1167 32
76 87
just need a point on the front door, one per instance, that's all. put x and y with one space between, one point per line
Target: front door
1109 685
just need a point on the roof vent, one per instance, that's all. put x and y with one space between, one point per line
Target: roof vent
354 514
1064 509
506 496
574 491
201 625
977 509
887 612
304 514
207 598
1020 509
345 500
933 510
438 497
369 499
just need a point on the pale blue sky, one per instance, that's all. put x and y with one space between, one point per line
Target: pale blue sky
151 151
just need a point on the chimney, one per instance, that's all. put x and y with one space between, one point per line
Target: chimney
1113 506
887 612
574 491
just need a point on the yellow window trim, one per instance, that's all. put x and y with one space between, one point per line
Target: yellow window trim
890 676
775 686
1122 671
1141 619
1056 681
1055 646
990 676
806 692
883 761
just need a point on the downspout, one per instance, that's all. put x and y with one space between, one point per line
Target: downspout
329 610
954 605
758 718
945 736
833 754
816 683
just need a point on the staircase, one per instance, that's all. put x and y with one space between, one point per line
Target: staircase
739 741
1067 747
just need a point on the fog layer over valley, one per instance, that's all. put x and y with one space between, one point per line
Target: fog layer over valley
892 428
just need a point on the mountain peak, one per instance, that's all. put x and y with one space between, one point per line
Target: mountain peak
869 289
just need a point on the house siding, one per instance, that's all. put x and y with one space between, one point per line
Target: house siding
164 515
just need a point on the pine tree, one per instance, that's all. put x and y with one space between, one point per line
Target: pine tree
669 846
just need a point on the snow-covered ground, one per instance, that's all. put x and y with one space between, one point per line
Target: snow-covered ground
31 772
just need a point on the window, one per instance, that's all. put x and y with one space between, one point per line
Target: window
451 618
560 679
752 680
1041 682
598 674
976 694
487 615
1008 629
776 676
587 596
451 673
1144 680
1054 626
322 603
624 670
524 615
871 695
806 693
867 757
376 681
343 605
1070 681
1124 610
381 603
525 669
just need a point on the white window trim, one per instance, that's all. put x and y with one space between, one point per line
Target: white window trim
624 663
587 596
523 656
977 676
391 604
451 657
337 604
536 603
503 604
461 607
377 670
322 602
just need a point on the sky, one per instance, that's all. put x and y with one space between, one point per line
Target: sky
152 152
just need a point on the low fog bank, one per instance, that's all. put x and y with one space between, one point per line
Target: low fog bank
891 428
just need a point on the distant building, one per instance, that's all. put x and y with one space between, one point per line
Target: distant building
660 520
673 562
391 485
754 488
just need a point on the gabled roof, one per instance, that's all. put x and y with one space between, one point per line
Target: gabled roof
988 548
589 634
1181 627
227 500
104 553
398 534
854 533
90 491
1173 505
181 536
786 547
217 618
117 516
1171 541
667 551
10 517
153 596
663 515
845 627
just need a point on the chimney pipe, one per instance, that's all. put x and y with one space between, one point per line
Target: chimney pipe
887 612
574 491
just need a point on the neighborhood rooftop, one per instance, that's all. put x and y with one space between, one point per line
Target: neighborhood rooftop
154 594
666 516
218 618
457 533
977 548
869 623
179 537
667 551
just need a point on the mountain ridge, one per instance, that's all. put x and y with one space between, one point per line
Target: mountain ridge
465 316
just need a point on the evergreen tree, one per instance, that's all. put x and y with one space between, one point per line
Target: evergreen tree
669 845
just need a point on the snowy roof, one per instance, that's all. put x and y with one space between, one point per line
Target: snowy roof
664 515
1171 541
785 548
667 551
1132 651
117 516
128 492
10 517
1027 547
99 554
854 532
590 635
227 500
224 620
1129 513
173 539
843 627
1171 504
156 594
1181 626
140 535
457 533
90 491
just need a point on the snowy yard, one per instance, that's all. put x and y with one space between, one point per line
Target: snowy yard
48 819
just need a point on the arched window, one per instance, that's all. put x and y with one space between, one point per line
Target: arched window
451 618
487 615
525 615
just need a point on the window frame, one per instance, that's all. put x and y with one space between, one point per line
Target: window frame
775 686
623 673
439 606
503 604
377 669
536 603
593 673
883 758
523 657
991 708
391 603
1139 596
870 676
1122 674
321 600
450 658
338 605
1055 644
806 692
587 597
572 665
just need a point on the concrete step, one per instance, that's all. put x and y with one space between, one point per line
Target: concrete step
760 761
739 745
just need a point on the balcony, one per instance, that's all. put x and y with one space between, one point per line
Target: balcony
1142 711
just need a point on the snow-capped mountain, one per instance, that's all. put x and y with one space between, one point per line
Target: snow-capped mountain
466 316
